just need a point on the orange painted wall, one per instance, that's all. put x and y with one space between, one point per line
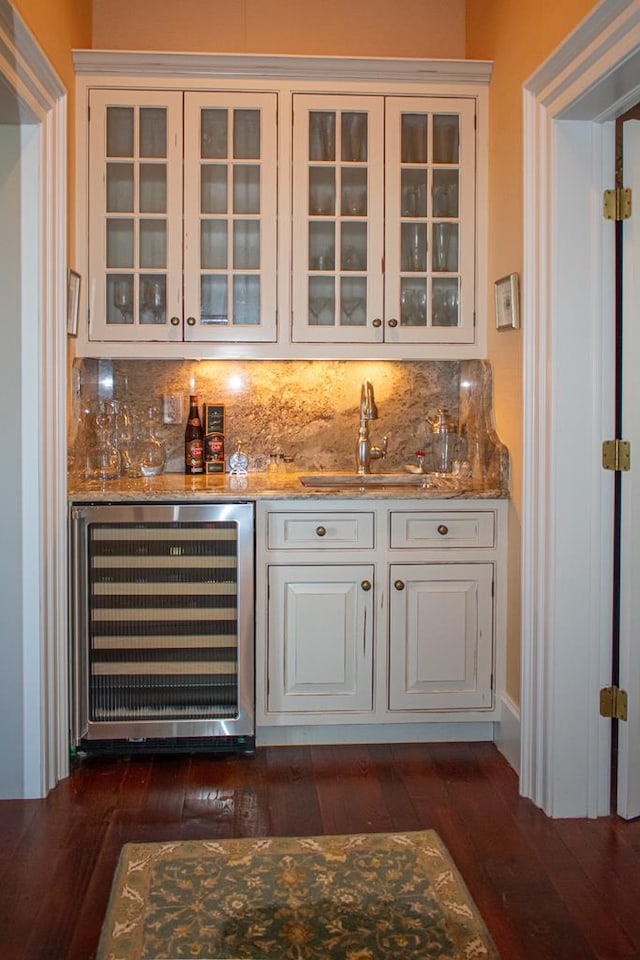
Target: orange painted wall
404 28
58 26
518 37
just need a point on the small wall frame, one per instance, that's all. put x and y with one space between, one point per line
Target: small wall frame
507 301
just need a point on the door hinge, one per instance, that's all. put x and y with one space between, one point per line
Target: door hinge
616 204
613 703
616 455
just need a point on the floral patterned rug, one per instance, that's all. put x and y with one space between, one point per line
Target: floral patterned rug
394 896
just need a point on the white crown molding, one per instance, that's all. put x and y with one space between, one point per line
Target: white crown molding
24 67
170 64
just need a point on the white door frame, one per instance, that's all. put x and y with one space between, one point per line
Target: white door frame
28 79
568 314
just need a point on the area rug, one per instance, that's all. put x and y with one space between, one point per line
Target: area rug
395 896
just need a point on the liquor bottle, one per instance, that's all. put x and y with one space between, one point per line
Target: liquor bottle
193 440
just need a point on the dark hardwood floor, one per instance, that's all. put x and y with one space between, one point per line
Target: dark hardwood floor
562 890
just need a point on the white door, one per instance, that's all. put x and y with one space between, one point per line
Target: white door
629 731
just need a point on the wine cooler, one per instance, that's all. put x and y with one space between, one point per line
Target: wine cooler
163 627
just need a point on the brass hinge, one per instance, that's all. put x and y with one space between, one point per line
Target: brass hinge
616 204
613 703
616 455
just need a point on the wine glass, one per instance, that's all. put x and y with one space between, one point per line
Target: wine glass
122 298
154 299
351 305
317 306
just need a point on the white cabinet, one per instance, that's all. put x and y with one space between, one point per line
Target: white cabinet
320 638
182 216
288 208
384 219
385 613
441 636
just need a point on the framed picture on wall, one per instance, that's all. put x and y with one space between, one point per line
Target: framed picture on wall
507 301
73 302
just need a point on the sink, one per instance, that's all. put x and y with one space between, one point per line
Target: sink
369 480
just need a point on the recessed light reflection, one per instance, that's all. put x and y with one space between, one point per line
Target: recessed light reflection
235 383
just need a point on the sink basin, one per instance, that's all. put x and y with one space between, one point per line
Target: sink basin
369 480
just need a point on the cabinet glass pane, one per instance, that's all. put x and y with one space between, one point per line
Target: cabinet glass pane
246 300
413 302
153 244
353 301
445 303
153 131
213 245
153 299
353 193
119 242
214 303
322 250
322 191
445 248
413 247
246 245
213 188
322 301
119 298
119 188
246 189
153 188
446 138
214 134
322 135
119 131
246 134
354 137
445 193
353 246
413 201
413 138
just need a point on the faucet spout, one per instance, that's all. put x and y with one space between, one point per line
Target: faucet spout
365 452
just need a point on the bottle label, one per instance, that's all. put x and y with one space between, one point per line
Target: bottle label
193 456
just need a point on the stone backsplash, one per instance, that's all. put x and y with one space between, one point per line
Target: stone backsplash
309 409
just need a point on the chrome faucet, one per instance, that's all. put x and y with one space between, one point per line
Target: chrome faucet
365 452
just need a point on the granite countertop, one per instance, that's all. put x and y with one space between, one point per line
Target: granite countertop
254 486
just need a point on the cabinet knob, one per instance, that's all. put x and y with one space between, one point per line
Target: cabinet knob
321 531
366 585
175 321
377 322
393 322
191 321
443 530
399 584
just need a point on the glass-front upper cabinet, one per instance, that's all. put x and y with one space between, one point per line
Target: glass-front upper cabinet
338 216
383 220
182 241
430 220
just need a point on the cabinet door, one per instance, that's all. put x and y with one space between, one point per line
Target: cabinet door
441 636
230 199
430 220
338 215
320 639
135 215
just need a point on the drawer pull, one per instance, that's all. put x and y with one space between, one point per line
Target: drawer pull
393 322
366 585
376 323
321 531
443 530
399 584
191 321
175 321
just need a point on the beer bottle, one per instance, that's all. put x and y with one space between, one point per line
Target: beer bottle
193 440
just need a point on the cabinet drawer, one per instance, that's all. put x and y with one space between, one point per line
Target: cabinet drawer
320 529
424 529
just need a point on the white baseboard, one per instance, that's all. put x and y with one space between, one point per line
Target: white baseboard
375 733
507 732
